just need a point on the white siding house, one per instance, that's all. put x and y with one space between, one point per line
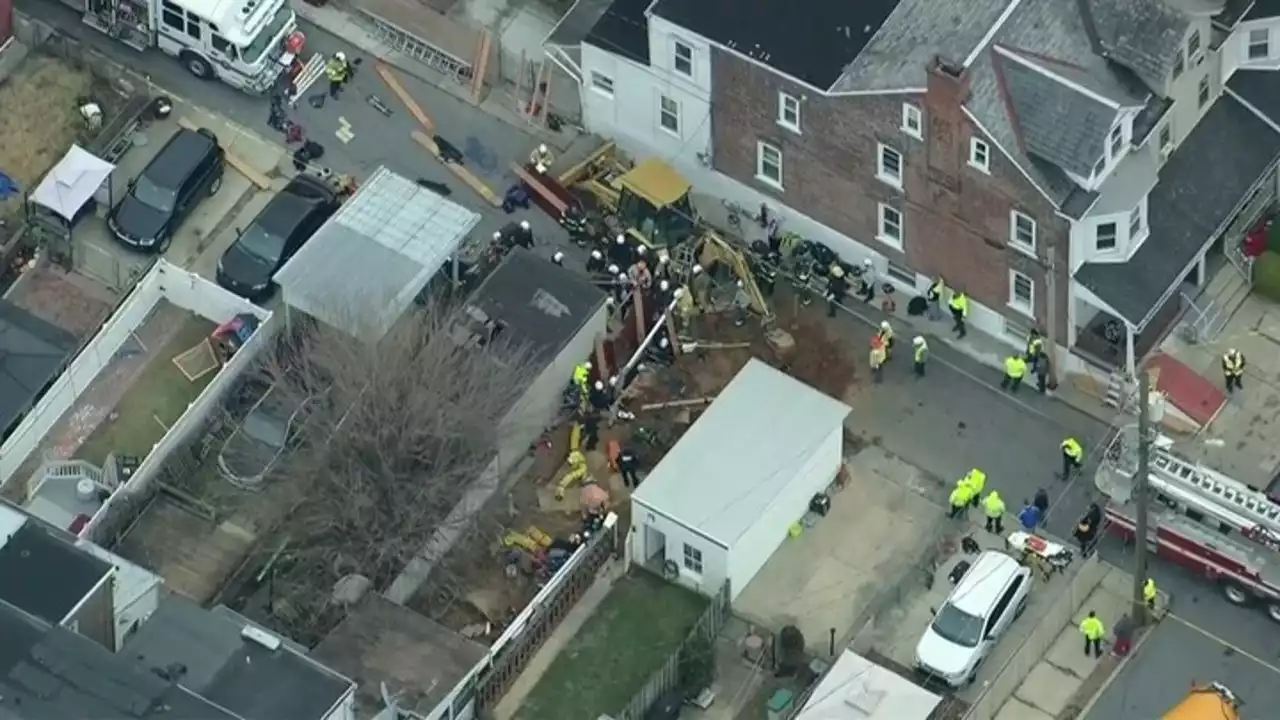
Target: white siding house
718 505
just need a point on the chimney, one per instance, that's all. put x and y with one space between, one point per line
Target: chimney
946 90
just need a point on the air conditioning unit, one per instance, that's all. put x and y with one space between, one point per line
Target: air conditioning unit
1165 152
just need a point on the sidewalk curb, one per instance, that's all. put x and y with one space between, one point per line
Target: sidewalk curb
1115 673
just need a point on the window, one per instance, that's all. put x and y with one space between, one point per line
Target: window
1022 231
789 111
1022 293
683 59
1178 66
1115 142
1203 97
912 121
1259 44
1193 46
692 559
1166 138
193 27
890 166
890 230
602 83
174 17
224 46
669 114
980 155
769 164
902 274
1135 222
1104 236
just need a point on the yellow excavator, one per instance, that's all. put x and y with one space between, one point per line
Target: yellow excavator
650 202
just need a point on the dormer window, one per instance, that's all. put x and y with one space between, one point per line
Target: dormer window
1115 143
1259 44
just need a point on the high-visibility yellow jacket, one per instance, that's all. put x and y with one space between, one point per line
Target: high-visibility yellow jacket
976 480
1233 364
1072 449
1015 367
1149 590
1092 628
960 302
922 352
993 505
961 496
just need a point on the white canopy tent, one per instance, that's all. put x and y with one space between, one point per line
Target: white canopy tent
72 182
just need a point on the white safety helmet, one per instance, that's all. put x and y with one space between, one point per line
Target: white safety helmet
697 269
597 254
740 284
663 259
663 343
640 250
613 381
608 301
497 234
542 148
524 224
557 258
1232 351
614 270
587 365
599 385
679 293
866 262
340 56
664 286
917 340
621 239
884 324
622 276
837 271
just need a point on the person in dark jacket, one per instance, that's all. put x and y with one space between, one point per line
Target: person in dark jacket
1086 531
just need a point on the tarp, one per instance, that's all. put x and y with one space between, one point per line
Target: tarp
71 182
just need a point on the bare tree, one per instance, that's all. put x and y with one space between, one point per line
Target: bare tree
396 432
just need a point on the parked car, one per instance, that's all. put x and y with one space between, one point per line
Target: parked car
981 607
185 171
288 221
271 426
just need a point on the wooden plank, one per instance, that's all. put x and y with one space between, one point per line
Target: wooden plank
461 171
480 65
240 165
545 110
542 189
406 99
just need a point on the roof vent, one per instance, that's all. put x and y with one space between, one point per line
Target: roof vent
261 637
955 70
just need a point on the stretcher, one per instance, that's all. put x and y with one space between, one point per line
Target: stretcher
1049 556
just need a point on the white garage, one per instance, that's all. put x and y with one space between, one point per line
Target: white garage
718 505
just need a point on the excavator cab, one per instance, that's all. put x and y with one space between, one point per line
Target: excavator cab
654 204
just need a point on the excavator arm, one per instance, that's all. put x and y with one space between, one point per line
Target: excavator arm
715 249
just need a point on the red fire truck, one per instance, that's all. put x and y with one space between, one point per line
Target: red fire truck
1199 518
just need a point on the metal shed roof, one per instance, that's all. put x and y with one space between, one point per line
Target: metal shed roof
739 456
362 268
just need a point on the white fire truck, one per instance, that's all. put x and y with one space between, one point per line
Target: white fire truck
247 44
1199 518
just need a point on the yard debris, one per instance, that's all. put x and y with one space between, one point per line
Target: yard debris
676 404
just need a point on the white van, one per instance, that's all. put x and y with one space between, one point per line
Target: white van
990 596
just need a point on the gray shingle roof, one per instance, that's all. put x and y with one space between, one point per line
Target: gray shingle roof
1200 187
1259 89
1143 35
916 32
745 449
1056 123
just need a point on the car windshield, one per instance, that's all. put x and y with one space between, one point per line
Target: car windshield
958 627
253 52
152 195
262 244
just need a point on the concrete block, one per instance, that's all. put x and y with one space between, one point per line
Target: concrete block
1067 653
1015 709
1048 688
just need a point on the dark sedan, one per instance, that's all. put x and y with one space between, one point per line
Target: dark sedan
185 171
292 216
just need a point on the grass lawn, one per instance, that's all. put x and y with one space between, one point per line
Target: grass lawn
631 634
159 394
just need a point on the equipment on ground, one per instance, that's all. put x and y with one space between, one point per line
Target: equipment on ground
248 45
1201 519
531 540
1212 701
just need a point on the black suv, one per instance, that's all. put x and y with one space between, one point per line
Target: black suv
289 220
186 170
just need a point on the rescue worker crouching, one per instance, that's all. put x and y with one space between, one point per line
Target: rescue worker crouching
338 71
576 473
541 158
1233 370
920 354
1072 457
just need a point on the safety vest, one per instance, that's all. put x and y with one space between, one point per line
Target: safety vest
937 289
993 505
1093 628
335 70
960 496
1034 346
1149 590
1072 449
886 334
976 480
1015 367
581 374
1233 364
922 351
877 356
960 303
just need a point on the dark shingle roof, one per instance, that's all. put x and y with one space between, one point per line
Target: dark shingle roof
1259 89
1143 35
32 354
812 42
623 29
1263 9
1200 187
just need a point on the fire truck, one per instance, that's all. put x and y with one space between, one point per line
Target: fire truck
247 44
1213 701
1199 518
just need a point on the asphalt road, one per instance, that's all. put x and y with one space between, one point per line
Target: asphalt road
1170 660
953 419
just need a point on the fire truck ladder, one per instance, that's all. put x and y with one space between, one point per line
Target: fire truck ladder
1192 484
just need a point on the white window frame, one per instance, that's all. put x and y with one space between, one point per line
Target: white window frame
887 232
1020 226
912 121
882 171
682 53
602 84
1203 92
663 114
789 103
1166 143
1195 48
762 148
692 559
1097 236
980 155
1027 307
1252 43
1136 216
1115 142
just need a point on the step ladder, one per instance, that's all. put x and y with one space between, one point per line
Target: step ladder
1190 481
310 74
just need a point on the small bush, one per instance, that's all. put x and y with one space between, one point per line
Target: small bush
1266 275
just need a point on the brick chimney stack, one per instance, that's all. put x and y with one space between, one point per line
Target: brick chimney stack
946 91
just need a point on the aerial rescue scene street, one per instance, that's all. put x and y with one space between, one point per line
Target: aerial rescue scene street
461 359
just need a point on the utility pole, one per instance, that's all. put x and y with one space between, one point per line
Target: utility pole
1141 497
1050 266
